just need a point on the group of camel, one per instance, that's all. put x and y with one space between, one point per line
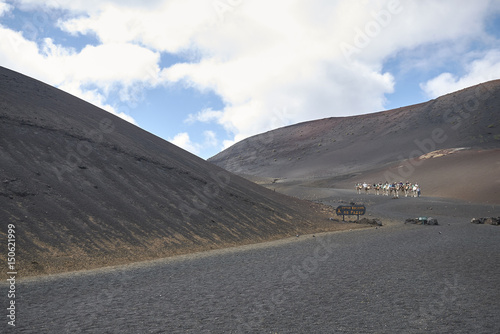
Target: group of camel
390 189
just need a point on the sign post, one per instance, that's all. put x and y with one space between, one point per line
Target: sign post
350 210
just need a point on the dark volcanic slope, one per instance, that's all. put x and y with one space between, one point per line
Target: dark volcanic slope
344 146
85 188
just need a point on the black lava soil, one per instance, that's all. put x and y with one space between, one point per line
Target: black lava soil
394 279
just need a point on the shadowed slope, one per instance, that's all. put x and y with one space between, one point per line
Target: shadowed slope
85 188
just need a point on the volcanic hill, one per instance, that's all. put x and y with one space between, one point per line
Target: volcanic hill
84 189
449 145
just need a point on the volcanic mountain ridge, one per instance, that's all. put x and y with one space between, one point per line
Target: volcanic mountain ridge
450 145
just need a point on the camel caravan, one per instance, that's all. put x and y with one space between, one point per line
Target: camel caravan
390 189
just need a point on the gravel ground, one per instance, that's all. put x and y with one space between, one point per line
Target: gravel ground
395 279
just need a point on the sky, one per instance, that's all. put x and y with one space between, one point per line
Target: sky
205 74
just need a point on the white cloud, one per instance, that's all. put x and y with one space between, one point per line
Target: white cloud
163 25
54 65
183 140
81 6
478 71
4 8
272 63
277 64
124 67
93 96
206 115
210 139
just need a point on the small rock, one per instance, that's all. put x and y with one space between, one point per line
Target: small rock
431 221
492 221
489 221
422 221
367 221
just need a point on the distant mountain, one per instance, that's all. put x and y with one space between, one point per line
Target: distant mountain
342 150
84 188
467 118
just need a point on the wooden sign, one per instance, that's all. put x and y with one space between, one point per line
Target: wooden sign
350 210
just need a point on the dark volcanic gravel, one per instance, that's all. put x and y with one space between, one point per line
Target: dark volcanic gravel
394 279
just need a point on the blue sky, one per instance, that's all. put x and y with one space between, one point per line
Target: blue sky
205 74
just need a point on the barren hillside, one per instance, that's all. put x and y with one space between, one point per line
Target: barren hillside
346 148
85 188
340 145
